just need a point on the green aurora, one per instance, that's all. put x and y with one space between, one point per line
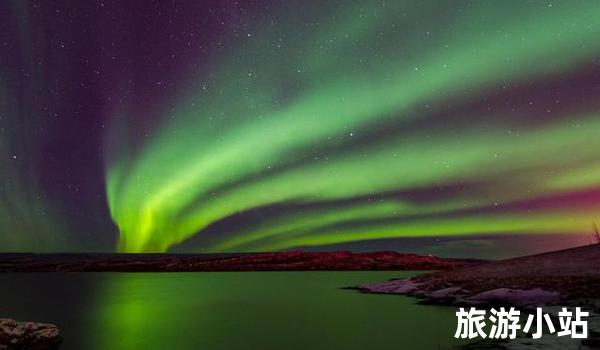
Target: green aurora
358 102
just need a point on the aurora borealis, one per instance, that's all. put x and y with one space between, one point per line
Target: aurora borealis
254 126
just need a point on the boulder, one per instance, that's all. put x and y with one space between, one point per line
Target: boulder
16 335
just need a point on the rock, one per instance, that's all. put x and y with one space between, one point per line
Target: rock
28 335
405 286
517 297
455 295
447 295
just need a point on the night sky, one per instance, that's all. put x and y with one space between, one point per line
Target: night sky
454 127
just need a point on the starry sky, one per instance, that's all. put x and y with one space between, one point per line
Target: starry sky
463 128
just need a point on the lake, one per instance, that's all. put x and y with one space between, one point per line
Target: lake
225 310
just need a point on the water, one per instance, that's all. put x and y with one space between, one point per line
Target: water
230 310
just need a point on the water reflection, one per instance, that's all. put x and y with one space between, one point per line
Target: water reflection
288 310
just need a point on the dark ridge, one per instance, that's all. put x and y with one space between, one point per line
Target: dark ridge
277 261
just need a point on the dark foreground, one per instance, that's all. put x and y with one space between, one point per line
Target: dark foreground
281 261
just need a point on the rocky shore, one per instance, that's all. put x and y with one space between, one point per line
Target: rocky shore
16 335
279 261
552 280
544 278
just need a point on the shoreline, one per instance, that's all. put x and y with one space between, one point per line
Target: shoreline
277 261
566 278
549 277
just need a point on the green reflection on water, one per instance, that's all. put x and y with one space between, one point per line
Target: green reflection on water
299 310
257 310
